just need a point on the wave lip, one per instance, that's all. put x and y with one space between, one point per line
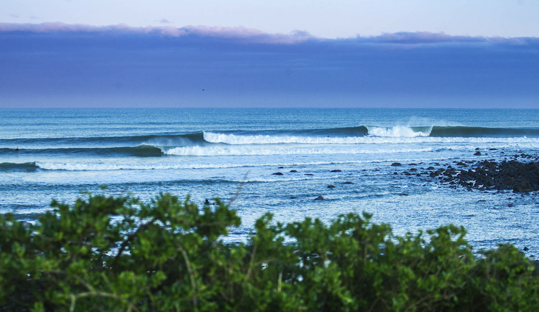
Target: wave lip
18 167
138 151
112 141
462 131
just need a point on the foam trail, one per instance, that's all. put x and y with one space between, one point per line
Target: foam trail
395 135
249 151
178 166
233 139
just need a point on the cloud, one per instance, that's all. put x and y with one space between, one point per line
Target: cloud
241 33
426 38
58 27
249 35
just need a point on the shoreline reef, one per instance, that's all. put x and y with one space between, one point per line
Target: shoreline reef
519 173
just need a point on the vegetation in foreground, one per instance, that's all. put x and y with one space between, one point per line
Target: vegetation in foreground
107 253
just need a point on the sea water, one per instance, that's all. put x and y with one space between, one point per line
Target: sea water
207 153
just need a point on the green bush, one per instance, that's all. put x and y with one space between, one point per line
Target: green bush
107 253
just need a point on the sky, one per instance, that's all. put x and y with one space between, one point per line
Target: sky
301 53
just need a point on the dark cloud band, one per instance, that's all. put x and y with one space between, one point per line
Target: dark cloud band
48 64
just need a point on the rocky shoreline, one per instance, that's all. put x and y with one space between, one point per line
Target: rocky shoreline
519 174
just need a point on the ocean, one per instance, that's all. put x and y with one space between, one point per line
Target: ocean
277 161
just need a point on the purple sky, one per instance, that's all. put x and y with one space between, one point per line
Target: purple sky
321 18
76 65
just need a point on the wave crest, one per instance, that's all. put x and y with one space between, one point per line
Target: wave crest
399 131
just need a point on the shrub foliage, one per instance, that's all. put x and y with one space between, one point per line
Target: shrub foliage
107 253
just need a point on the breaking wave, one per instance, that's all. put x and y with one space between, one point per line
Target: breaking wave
18 167
287 136
251 142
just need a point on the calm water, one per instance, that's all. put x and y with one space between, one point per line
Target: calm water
207 153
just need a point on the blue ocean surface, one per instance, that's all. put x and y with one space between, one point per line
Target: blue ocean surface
207 153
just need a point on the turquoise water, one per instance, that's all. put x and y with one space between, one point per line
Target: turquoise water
56 153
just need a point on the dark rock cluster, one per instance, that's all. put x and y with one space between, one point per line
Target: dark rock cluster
512 175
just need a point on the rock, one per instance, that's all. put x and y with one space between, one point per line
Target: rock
477 154
277 173
293 197
522 187
319 198
280 168
525 249
348 182
396 164
436 173
293 171
331 186
413 164
308 174
337 170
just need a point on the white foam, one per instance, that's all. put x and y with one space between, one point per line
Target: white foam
251 151
89 166
233 139
397 132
